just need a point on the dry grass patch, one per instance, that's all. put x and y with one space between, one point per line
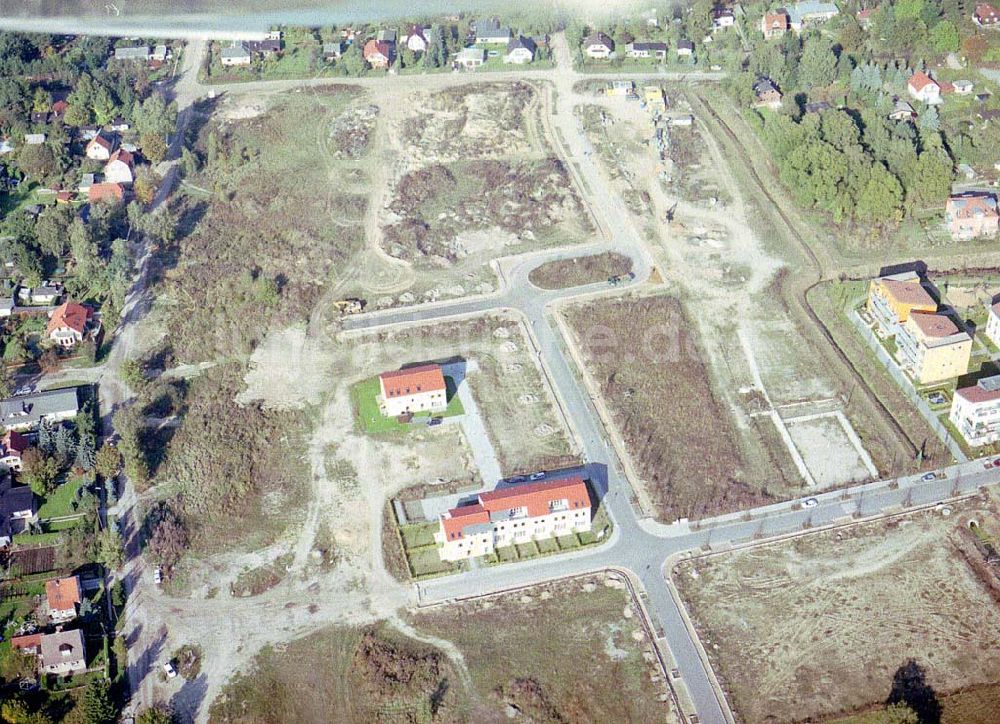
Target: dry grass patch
825 623
648 364
360 675
572 651
282 224
564 273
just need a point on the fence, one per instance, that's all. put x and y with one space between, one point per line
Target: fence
907 387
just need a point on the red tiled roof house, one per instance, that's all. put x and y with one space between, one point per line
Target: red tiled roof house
68 324
986 16
518 514
774 25
105 192
378 53
924 88
971 215
63 595
410 390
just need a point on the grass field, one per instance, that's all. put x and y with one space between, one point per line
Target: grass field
564 273
371 420
563 652
679 435
820 625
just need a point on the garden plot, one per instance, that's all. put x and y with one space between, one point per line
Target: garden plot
820 625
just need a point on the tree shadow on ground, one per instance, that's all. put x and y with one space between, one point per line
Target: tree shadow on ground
910 687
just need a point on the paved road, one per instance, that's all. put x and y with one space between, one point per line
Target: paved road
638 545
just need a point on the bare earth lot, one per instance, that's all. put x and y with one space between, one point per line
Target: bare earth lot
821 624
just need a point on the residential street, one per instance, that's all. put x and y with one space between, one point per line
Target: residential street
230 628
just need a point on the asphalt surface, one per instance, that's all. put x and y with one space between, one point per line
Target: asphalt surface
639 546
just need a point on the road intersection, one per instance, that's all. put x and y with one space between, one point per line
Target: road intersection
639 546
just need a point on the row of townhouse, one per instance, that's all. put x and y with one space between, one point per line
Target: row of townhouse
519 512
930 346
514 515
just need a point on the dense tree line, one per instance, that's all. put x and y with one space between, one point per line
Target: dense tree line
850 159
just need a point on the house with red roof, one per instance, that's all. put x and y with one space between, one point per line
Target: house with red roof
986 16
105 192
119 167
411 390
774 25
68 324
99 147
924 88
975 411
971 215
12 446
512 515
63 595
377 53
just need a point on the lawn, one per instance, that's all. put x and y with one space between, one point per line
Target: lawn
564 652
365 398
59 503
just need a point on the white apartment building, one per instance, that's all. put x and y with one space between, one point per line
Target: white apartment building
975 412
517 514
415 389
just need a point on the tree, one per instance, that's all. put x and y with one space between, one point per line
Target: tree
153 147
65 446
169 540
15 711
132 373
929 119
144 185
353 62
98 707
109 548
41 100
86 458
819 65
39 161
108 462
156 714
944 37
39 471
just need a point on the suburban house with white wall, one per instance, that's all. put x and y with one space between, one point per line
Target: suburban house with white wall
63 595
411 390
975 412
993 323
516 514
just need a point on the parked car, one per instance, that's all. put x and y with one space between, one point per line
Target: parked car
169 670
435 421
157 575
810 503
536 476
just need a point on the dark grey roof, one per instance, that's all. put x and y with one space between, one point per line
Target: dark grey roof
30 409
268 45
599 39
14 499
650 46
521 42
685 45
